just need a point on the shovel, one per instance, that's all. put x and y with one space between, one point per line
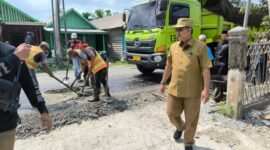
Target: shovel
108 100
76 78
65 79
79 94
86 79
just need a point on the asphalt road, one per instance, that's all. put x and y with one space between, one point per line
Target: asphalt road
121 79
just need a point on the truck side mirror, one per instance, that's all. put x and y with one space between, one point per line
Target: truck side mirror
161 16
163 5
124 17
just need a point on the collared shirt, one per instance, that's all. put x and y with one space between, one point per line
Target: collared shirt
90 52
87 57
187 61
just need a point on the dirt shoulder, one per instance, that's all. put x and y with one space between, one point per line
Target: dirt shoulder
147 127
136 120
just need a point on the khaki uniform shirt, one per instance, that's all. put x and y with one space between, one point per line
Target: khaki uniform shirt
187 61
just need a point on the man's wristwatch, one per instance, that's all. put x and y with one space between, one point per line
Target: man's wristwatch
163 82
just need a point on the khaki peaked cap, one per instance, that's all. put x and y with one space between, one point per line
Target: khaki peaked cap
45 44
184 22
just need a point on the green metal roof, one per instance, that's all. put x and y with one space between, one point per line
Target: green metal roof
79 31
9 13
74 21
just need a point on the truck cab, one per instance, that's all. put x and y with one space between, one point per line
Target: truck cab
149 32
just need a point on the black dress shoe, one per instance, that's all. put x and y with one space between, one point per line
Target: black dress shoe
177 135
188 147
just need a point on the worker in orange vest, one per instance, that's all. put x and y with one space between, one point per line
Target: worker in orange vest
38 55
99 69
82 59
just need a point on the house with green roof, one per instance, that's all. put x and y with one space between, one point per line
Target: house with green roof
15 23
76 23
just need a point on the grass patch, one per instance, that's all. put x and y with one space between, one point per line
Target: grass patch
226 110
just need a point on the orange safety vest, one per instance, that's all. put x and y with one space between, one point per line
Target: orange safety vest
99 63
30 61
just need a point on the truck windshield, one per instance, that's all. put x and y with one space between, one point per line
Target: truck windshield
145 17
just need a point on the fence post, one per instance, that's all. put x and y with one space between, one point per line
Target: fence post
236 76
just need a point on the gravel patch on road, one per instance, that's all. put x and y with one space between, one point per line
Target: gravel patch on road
78 109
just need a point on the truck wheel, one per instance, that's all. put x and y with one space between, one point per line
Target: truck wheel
145 71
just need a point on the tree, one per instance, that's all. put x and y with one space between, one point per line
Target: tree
237 3
108 12
86 15
99 13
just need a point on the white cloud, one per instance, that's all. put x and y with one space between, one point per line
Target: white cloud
41 9
38 3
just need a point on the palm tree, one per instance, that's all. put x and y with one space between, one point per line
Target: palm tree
89 16
108 12
99 13
86 15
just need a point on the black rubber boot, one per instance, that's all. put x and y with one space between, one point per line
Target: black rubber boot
96 96
188 147
107 93
87 83
95 99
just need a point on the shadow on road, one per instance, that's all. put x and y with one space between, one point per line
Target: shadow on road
154 77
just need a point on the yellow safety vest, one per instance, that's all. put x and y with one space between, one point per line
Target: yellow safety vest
30 61
99 63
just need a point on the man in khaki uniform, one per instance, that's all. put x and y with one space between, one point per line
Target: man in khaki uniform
187 64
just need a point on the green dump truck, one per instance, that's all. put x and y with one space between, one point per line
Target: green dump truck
149 32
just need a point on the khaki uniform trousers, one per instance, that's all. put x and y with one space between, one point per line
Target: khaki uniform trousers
7 139
191 108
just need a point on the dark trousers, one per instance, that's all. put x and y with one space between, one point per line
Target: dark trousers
222 70
100 78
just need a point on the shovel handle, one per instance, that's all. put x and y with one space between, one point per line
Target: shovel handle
107 77
66 86
61 82
67 70
85 82
76 79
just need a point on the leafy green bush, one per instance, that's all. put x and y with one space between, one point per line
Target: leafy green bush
226 110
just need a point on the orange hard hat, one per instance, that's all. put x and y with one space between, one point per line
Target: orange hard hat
83 44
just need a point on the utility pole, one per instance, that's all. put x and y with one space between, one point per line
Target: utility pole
268 1
247 14
56 29
65 20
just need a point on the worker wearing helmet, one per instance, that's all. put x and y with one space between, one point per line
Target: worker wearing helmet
99 69
74 45
38 55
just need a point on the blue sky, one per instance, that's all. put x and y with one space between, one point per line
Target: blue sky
41 9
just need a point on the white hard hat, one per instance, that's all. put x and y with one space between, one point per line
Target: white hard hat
73 35
202 37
